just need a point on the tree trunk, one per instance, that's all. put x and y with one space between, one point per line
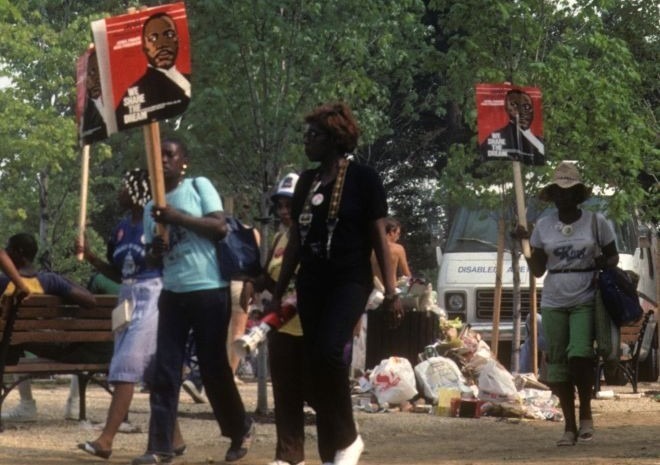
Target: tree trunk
44 221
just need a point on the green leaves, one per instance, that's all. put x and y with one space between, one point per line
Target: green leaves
407 68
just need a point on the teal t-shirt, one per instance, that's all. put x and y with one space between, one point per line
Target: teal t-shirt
191 262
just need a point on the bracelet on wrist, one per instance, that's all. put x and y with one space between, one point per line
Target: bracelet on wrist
390 297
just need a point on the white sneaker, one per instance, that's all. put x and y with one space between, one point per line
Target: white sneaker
25 411
350 455
72 409
282 462
196 394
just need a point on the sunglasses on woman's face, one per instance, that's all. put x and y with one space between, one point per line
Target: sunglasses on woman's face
313 134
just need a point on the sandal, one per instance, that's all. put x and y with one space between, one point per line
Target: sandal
568 439
586 431
92 448
151 459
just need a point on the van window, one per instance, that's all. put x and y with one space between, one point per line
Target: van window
473 231
476 230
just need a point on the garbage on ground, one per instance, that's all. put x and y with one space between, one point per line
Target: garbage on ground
437 373
496 383
457 376
609 394
393 381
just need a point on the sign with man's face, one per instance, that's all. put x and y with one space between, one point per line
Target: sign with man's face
510 123
89 101
144 58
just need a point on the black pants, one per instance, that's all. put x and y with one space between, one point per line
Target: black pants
207 313
287 375
329 311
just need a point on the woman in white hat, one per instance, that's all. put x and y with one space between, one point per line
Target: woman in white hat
565 244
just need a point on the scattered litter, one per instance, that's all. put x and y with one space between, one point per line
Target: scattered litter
605 394
393 381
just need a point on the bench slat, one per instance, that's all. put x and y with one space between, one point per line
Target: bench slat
61 336
62 325
55 367
64 311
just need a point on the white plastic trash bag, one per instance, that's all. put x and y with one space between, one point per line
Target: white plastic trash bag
439 372
496 383
393 381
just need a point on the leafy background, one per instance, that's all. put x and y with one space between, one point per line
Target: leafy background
408 69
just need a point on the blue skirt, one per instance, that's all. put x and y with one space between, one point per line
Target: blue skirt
135 346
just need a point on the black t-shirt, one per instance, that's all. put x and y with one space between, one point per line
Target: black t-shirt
363 201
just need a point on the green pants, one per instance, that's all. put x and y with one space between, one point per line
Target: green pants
569 332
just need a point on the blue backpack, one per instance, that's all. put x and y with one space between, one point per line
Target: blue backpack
238 252
239 257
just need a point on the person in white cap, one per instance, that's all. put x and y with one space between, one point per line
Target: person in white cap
285 346
566 244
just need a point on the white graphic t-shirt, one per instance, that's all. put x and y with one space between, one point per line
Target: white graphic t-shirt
570 247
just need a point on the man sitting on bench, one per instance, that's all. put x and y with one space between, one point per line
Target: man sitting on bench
22 249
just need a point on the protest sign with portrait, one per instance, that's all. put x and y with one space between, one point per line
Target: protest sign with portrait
144 61
89 99
510 123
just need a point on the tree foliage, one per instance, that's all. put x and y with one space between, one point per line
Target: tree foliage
408 68
261 66
593 109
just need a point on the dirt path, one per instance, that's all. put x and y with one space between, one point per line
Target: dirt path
627 433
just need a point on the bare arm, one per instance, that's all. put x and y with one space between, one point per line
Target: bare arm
81 296
402 260
375 269
383 254
99 264
391 303
211 225
537 262
609 258
289 263
10 270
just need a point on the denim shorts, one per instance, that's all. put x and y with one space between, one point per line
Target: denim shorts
135 346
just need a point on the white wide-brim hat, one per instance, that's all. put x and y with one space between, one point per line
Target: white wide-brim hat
566 176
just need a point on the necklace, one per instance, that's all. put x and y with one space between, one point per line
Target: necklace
313 198
564 229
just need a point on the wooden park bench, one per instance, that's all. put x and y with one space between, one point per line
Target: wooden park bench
47 319
642 339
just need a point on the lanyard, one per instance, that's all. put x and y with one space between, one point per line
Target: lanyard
305 218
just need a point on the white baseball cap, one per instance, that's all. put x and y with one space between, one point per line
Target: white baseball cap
286 186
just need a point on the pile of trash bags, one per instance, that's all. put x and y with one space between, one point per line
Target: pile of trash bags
458 370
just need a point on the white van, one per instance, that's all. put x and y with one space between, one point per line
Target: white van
466 275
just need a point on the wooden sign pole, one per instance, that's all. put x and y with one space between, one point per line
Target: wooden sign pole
146 130
520 205
84 183
155 166
533 326
497 304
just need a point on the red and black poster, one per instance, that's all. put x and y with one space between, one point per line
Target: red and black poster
144 60
510 123
89 100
